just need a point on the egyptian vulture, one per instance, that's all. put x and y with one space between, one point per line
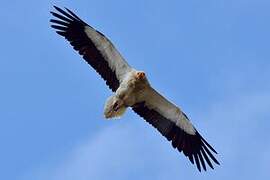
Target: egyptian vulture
132 89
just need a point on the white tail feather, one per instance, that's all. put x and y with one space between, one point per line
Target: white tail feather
109 111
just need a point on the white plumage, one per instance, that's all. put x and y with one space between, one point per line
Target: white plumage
132 89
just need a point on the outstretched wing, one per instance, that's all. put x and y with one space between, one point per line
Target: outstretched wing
172 123
96 49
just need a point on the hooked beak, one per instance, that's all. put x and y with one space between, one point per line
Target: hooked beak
140 75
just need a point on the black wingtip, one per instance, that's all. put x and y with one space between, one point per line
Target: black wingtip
206 143
67 9
74 15
57 8
67 15
197 162
202 161
217 162
210 154
207 158
61 33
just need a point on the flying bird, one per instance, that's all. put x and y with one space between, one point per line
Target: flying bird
131 88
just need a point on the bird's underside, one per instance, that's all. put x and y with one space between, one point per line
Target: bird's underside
130 92
132 89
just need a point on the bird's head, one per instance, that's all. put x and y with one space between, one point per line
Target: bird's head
140 75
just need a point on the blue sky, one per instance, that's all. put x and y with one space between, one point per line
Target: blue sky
209 57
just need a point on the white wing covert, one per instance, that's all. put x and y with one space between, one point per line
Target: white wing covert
172 123
96 49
